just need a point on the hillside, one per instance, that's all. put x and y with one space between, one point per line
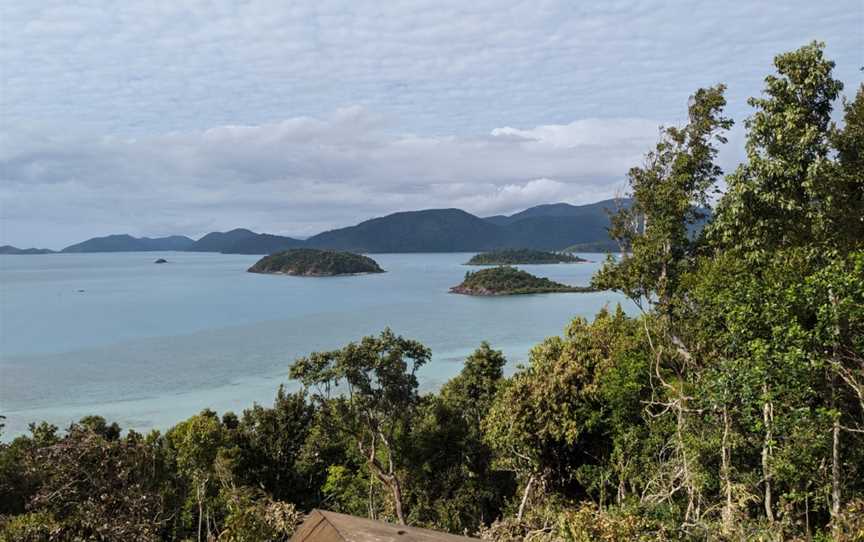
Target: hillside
551 227
127 243
262 243
434 230
506 280
218 241
545 227
9 249
309 262
598 211
521 257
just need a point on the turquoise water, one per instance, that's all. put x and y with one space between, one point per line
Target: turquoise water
148 345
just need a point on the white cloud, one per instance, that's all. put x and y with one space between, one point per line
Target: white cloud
301 175
164 116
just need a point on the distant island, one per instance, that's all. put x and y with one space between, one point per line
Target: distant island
550 227
595 246
127 243
506 280
9 249
521 256
310 262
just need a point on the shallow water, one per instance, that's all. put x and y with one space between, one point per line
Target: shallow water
148 345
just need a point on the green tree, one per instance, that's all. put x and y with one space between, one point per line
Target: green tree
270 441
380 399
199 446
572 421
789 213
670 193
455 487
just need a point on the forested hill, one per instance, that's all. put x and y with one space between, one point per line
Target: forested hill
310 262
522 257
9 249
434 230
544 227
127 243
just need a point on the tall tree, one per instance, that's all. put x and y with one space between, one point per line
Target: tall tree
789 212
380 398
670 194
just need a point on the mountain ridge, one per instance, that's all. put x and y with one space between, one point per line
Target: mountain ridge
553 226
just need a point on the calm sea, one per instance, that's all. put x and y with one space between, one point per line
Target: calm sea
147 345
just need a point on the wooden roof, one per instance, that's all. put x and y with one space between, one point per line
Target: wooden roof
324 526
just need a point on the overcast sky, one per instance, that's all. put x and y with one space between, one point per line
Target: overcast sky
161 117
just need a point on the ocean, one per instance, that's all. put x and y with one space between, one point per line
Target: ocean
148 345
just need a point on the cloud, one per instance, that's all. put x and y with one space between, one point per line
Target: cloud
301 175
163 116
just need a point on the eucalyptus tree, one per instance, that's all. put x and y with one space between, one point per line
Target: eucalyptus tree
377 398
670 195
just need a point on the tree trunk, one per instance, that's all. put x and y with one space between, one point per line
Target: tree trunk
728 514
524 498
397 499
836 478
200 510
692 507
767 417
836 495
371 502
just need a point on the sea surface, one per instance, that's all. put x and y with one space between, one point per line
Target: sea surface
148 345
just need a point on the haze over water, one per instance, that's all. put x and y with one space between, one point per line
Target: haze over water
149 345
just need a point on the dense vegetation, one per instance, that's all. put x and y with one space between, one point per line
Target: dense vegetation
517 256
506 280
730 408
310 262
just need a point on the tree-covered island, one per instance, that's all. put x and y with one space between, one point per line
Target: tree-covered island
505 280
521 256
309 262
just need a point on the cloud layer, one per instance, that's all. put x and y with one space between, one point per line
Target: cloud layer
164 116
301 175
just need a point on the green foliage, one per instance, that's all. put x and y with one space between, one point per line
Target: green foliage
669 194
731 409
521 256
271 441
505 280
455 486
315 263
29 527
381 399
573 417
785 191
95 488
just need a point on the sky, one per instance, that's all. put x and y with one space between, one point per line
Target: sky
185 116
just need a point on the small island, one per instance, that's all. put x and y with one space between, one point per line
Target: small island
506 280
310 262
521 256
161 260
9 249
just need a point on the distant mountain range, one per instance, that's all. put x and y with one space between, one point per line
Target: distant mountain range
127 243
544 227
9 249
